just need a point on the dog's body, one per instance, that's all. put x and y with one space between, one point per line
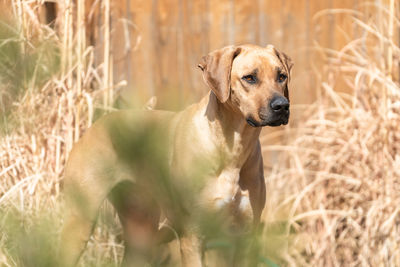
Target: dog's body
248 90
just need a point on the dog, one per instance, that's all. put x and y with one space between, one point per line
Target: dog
249 90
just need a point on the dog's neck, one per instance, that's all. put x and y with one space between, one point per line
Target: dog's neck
230 123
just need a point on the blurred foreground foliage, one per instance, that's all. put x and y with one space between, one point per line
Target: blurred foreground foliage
26 241
143 146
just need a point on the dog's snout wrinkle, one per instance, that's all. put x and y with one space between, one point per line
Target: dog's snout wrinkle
263 113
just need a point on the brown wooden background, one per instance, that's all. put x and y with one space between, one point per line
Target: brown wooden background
156 44
174 34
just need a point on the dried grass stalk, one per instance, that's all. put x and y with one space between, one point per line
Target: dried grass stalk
338 181
49 118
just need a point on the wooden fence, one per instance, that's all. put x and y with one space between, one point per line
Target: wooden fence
156 44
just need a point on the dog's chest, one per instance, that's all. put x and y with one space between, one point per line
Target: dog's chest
227 148
205 151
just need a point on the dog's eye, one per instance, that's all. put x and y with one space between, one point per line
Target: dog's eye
282 77
250 78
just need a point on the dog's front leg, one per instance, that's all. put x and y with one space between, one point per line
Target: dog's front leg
191 251
220 192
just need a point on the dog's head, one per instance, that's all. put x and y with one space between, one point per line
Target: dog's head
252 80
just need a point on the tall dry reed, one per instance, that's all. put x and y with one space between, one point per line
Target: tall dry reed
337 185
45 119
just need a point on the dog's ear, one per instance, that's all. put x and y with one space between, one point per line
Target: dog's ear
285 59
287 64
216 68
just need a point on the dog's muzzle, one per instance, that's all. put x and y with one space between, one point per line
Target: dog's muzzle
280 111
275 115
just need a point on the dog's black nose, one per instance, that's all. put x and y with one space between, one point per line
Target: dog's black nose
279 104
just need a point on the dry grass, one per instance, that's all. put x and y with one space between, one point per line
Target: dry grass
45 119
338 180
334 195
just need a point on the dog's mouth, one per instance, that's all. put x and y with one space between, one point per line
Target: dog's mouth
274 122
252 122
277 123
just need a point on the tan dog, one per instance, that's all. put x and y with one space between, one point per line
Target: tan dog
249 89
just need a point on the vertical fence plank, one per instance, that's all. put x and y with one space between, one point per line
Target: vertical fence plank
246 22
274 16
142 57
195 45
167 40
219 23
